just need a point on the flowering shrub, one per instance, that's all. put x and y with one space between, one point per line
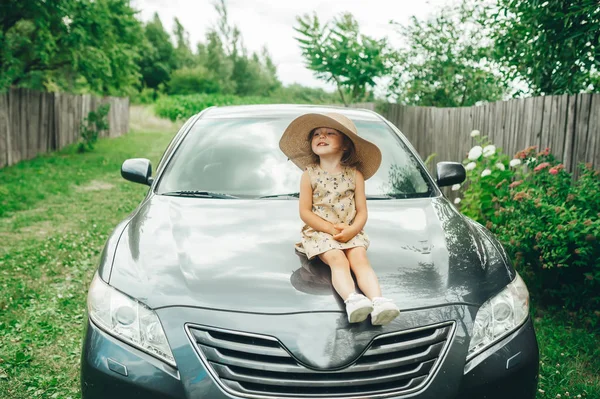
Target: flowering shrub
548 222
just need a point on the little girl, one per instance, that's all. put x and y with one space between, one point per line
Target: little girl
336 162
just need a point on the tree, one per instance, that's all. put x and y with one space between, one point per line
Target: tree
247 75
29 32
339 54
105 45
553 45
218 63
183 53
446 61
269 70
254 76
81 45
230 34
158 60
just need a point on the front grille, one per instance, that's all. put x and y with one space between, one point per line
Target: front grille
252 365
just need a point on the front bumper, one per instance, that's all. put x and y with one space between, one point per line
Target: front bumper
111 368
508 369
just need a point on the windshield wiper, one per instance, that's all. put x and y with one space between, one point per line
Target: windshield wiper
410 195
200 194
293 195
369 197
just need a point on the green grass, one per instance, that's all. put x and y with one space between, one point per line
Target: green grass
56 212
569 357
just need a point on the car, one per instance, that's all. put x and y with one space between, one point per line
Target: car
199 292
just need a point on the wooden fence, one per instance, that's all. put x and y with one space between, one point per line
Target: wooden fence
33 122
568 124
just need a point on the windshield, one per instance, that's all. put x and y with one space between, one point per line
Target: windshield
241 157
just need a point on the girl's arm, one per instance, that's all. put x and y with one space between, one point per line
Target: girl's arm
360 199
306 213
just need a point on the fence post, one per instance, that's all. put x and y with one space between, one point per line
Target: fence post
5 144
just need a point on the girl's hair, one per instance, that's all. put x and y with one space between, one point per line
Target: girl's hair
348 159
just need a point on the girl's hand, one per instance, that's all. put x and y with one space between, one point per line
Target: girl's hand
332 230
341 226
345 235
337 228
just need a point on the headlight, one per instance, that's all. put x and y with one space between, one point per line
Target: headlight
128 320
499 316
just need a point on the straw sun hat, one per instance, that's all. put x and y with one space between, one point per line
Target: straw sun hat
295 144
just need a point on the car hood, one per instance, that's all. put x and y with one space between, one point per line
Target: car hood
238 255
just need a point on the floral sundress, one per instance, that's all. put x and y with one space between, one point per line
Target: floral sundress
333 200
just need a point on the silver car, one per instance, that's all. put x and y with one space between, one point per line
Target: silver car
200 294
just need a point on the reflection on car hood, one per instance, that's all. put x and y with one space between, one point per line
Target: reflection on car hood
239 255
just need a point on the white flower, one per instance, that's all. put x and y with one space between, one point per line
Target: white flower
500 166
470 166
475 153
475 133
486 172
457 200
456 187
531 160
514 162
489 150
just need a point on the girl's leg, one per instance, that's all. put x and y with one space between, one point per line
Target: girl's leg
358 307
340 272
365 276
384 310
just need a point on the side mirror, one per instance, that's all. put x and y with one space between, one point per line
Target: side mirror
449 173
137 170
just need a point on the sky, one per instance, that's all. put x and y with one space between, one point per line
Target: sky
270 23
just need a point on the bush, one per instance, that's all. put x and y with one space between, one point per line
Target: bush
193 81
182 107
548 221
299 94
145 96
92 125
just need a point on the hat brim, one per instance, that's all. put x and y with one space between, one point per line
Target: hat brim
295 145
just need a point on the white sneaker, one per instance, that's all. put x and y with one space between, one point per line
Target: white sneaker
358 307
384 311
